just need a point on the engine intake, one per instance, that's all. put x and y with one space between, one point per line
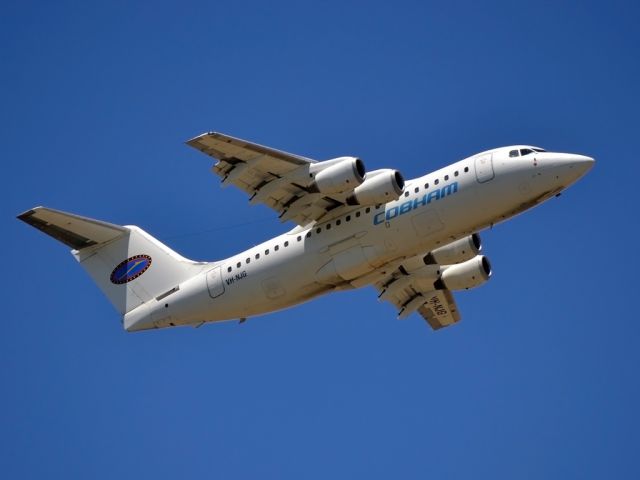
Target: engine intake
465 275
380 186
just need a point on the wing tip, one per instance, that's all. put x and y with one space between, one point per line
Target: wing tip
195 139
25 215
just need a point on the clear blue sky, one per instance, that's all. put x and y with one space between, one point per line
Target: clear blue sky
539 380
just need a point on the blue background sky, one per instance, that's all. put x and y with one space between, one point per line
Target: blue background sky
539 380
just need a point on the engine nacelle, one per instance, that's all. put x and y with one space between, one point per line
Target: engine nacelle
380 186
456 252
465 275
338 175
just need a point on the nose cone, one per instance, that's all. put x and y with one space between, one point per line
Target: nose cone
582 163
577 166
566 167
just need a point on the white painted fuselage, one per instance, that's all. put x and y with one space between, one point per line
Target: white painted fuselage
358 247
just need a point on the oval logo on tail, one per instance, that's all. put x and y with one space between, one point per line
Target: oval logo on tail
130 269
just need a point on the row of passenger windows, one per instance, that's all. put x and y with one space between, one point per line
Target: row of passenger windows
435 182
338 222
257 255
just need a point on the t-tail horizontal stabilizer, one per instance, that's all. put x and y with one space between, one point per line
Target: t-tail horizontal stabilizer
130 266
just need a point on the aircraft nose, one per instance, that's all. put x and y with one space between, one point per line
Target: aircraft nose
583 160
581 163
569 167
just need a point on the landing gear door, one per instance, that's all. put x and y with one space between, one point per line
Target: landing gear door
484 167
214 282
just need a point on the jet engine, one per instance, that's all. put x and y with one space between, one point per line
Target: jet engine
455 252
380 186
338 175
465 275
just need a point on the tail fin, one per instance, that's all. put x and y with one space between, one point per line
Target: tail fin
129 265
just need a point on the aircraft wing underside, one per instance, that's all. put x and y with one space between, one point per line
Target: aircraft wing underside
410 293
267 175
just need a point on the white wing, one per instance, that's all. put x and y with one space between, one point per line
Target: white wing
268 175
410 293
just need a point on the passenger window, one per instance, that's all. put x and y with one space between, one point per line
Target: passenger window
276 248
514 153
367 210
466 169
357 214
446 177
406 194
436 181
248 260
455 174
238 265
328 227
338 222
286 244
299 238
229 269
416 190
257 256
266 252
348 219
318 230
308 235
426 186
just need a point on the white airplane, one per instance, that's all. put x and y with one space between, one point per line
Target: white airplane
416 242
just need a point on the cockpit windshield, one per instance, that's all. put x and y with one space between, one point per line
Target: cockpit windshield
524 151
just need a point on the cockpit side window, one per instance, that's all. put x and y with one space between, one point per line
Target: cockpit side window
525 151
514 153
539 150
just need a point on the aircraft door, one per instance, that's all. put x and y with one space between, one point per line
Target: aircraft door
484 167
214 282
